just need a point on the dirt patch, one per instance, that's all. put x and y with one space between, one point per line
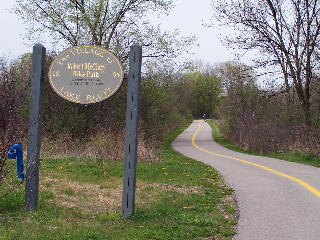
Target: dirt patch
90 198
181 189
95 198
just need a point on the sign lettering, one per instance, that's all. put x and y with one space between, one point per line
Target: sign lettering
85 74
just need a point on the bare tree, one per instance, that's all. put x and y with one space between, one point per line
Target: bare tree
286 32
7 115
112 24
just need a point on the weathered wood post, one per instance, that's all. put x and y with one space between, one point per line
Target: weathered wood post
34 132
132 124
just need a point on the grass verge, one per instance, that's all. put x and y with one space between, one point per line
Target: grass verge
177 198
298 157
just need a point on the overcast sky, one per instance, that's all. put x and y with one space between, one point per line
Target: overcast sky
188 16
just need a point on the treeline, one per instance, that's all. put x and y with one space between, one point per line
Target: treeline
254 117
286 35
271 120
169 98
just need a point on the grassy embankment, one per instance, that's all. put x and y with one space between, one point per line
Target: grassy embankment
308 159
177 198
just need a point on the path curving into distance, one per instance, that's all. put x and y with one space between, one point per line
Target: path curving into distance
277 200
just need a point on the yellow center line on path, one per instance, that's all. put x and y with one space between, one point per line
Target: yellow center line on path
302 183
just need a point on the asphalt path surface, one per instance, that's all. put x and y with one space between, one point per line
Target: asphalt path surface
277 200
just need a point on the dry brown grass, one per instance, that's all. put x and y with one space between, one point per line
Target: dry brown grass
105 144
180 189
96 198
90 198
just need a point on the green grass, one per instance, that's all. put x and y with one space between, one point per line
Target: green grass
177 198
298 157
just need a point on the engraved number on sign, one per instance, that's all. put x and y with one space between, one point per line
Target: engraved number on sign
56 74
116 74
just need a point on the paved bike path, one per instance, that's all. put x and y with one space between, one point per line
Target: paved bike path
277 200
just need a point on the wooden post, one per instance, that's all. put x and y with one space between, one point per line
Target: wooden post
34 131
132 124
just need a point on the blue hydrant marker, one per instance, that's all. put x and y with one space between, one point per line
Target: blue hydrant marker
15 152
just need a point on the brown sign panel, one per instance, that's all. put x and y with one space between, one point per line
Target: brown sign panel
85 74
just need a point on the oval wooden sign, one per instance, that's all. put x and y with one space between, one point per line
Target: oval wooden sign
85 74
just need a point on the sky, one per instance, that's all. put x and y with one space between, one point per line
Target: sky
188 16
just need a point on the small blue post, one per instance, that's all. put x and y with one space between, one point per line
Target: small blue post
15 152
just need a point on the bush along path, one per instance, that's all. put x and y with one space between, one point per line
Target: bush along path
277 199
298 157
177 198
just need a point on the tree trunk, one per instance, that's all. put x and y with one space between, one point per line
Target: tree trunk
307 115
